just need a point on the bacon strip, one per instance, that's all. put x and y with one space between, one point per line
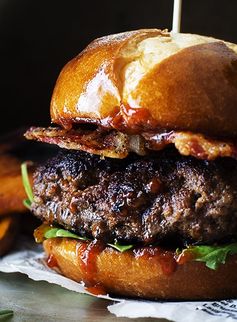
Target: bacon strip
112 144
115 144
196 145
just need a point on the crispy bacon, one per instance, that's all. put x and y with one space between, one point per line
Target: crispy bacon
188 143
111 144
115 144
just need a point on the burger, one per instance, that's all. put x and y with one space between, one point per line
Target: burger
141 199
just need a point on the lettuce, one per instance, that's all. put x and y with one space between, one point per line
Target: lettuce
121 248
54 232
26 183
212 256
58 232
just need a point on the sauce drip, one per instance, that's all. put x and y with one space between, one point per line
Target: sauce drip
168 263
165 258
197 149
130 120
88 253
96 290
158 141
185 257
52 261
154 186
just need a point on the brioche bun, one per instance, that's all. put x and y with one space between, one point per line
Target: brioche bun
151 79
126 274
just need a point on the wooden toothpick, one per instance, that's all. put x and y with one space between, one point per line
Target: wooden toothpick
177 15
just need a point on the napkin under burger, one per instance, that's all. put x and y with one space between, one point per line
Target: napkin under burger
141 200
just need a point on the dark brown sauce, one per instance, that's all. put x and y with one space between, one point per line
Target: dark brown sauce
154 186
96 290
168 263
168 260
88 253
52 261
165 258
185 257
130 120
197 149
124 118
138 117
158 141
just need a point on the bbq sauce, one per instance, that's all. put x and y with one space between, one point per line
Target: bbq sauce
96 290
185 257
197 149
52 261
88 252
166 259
129 119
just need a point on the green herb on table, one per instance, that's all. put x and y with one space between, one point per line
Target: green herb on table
5 314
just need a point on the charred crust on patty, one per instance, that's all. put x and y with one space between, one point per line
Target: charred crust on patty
139 200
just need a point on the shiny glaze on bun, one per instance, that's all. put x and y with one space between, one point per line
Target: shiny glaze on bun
149 79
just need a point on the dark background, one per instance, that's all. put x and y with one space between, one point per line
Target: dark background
38 37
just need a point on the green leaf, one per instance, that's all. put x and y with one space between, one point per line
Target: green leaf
212 256
55 232
26 182
58 232
5 313
51 233
68 234
121 248
27 203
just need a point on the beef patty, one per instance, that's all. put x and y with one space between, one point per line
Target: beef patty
139 200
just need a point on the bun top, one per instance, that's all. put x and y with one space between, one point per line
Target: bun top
148 80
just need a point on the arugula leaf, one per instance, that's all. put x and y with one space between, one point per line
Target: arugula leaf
54 232
50 233
212 256
27 203
27 186
58 232
121 248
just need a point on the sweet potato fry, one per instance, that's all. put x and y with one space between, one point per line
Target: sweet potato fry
11 188
14 216
11 195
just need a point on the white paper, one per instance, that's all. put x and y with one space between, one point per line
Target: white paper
29 259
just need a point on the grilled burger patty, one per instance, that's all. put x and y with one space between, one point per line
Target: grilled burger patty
139 199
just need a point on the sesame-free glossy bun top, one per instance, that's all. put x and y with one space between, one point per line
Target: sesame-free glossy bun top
148 80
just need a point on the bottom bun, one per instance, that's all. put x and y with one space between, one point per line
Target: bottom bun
147 272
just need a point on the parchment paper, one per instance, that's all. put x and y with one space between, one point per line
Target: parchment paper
28 259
